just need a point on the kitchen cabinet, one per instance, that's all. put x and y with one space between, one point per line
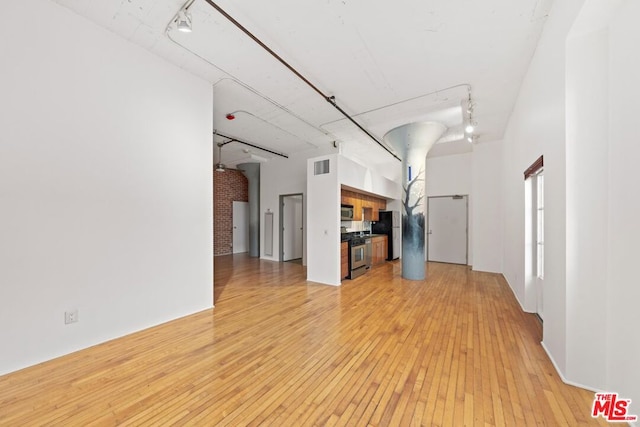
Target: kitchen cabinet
344 259
350 198
346 197
378 250
370 209
367 201
371 214
367 213
371 205
357 209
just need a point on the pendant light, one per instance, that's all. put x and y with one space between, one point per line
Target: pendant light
220 167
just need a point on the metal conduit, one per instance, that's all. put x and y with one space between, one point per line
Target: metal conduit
330 99
234 139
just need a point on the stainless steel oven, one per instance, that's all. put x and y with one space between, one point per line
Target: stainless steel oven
359 256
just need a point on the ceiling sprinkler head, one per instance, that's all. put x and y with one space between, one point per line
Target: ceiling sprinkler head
230 116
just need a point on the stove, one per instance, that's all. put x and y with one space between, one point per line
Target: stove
359 255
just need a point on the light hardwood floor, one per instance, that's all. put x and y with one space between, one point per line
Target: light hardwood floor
453 350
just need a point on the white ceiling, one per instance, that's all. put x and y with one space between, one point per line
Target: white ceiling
386 63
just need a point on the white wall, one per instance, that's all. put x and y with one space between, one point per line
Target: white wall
323 223
479 175
105 186
601 217
537 127
622 289
280 176
587 170
591 290
451 175
486 209
360 177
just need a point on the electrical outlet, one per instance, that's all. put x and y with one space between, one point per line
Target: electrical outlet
71 316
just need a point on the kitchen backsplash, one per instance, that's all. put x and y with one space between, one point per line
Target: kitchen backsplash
356 225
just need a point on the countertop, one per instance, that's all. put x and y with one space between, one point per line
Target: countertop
345 237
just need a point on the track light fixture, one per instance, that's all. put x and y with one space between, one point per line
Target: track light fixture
470 127
470 106
183 21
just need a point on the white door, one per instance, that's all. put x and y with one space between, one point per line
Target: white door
447 229
291 227
240 227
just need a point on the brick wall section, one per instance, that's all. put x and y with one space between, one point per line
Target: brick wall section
228 186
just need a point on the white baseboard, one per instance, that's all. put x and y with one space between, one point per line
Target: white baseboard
514 294
555 365
573 383
563 378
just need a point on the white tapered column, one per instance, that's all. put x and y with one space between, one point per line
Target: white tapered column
413 141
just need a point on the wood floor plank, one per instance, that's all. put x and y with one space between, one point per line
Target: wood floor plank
454 349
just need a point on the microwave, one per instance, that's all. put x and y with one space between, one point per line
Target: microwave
346 212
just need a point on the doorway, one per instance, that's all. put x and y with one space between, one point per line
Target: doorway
240 239
291 227
447 228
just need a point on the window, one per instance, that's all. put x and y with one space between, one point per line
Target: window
539 212
534 236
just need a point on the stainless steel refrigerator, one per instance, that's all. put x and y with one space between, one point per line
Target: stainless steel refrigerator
389 223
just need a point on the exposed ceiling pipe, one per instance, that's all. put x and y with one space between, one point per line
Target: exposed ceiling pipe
330 99
393 104
240 82
233 139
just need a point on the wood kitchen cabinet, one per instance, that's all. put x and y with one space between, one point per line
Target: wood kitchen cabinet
372 213
371 205
344 259
357 208
378 250
346 197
